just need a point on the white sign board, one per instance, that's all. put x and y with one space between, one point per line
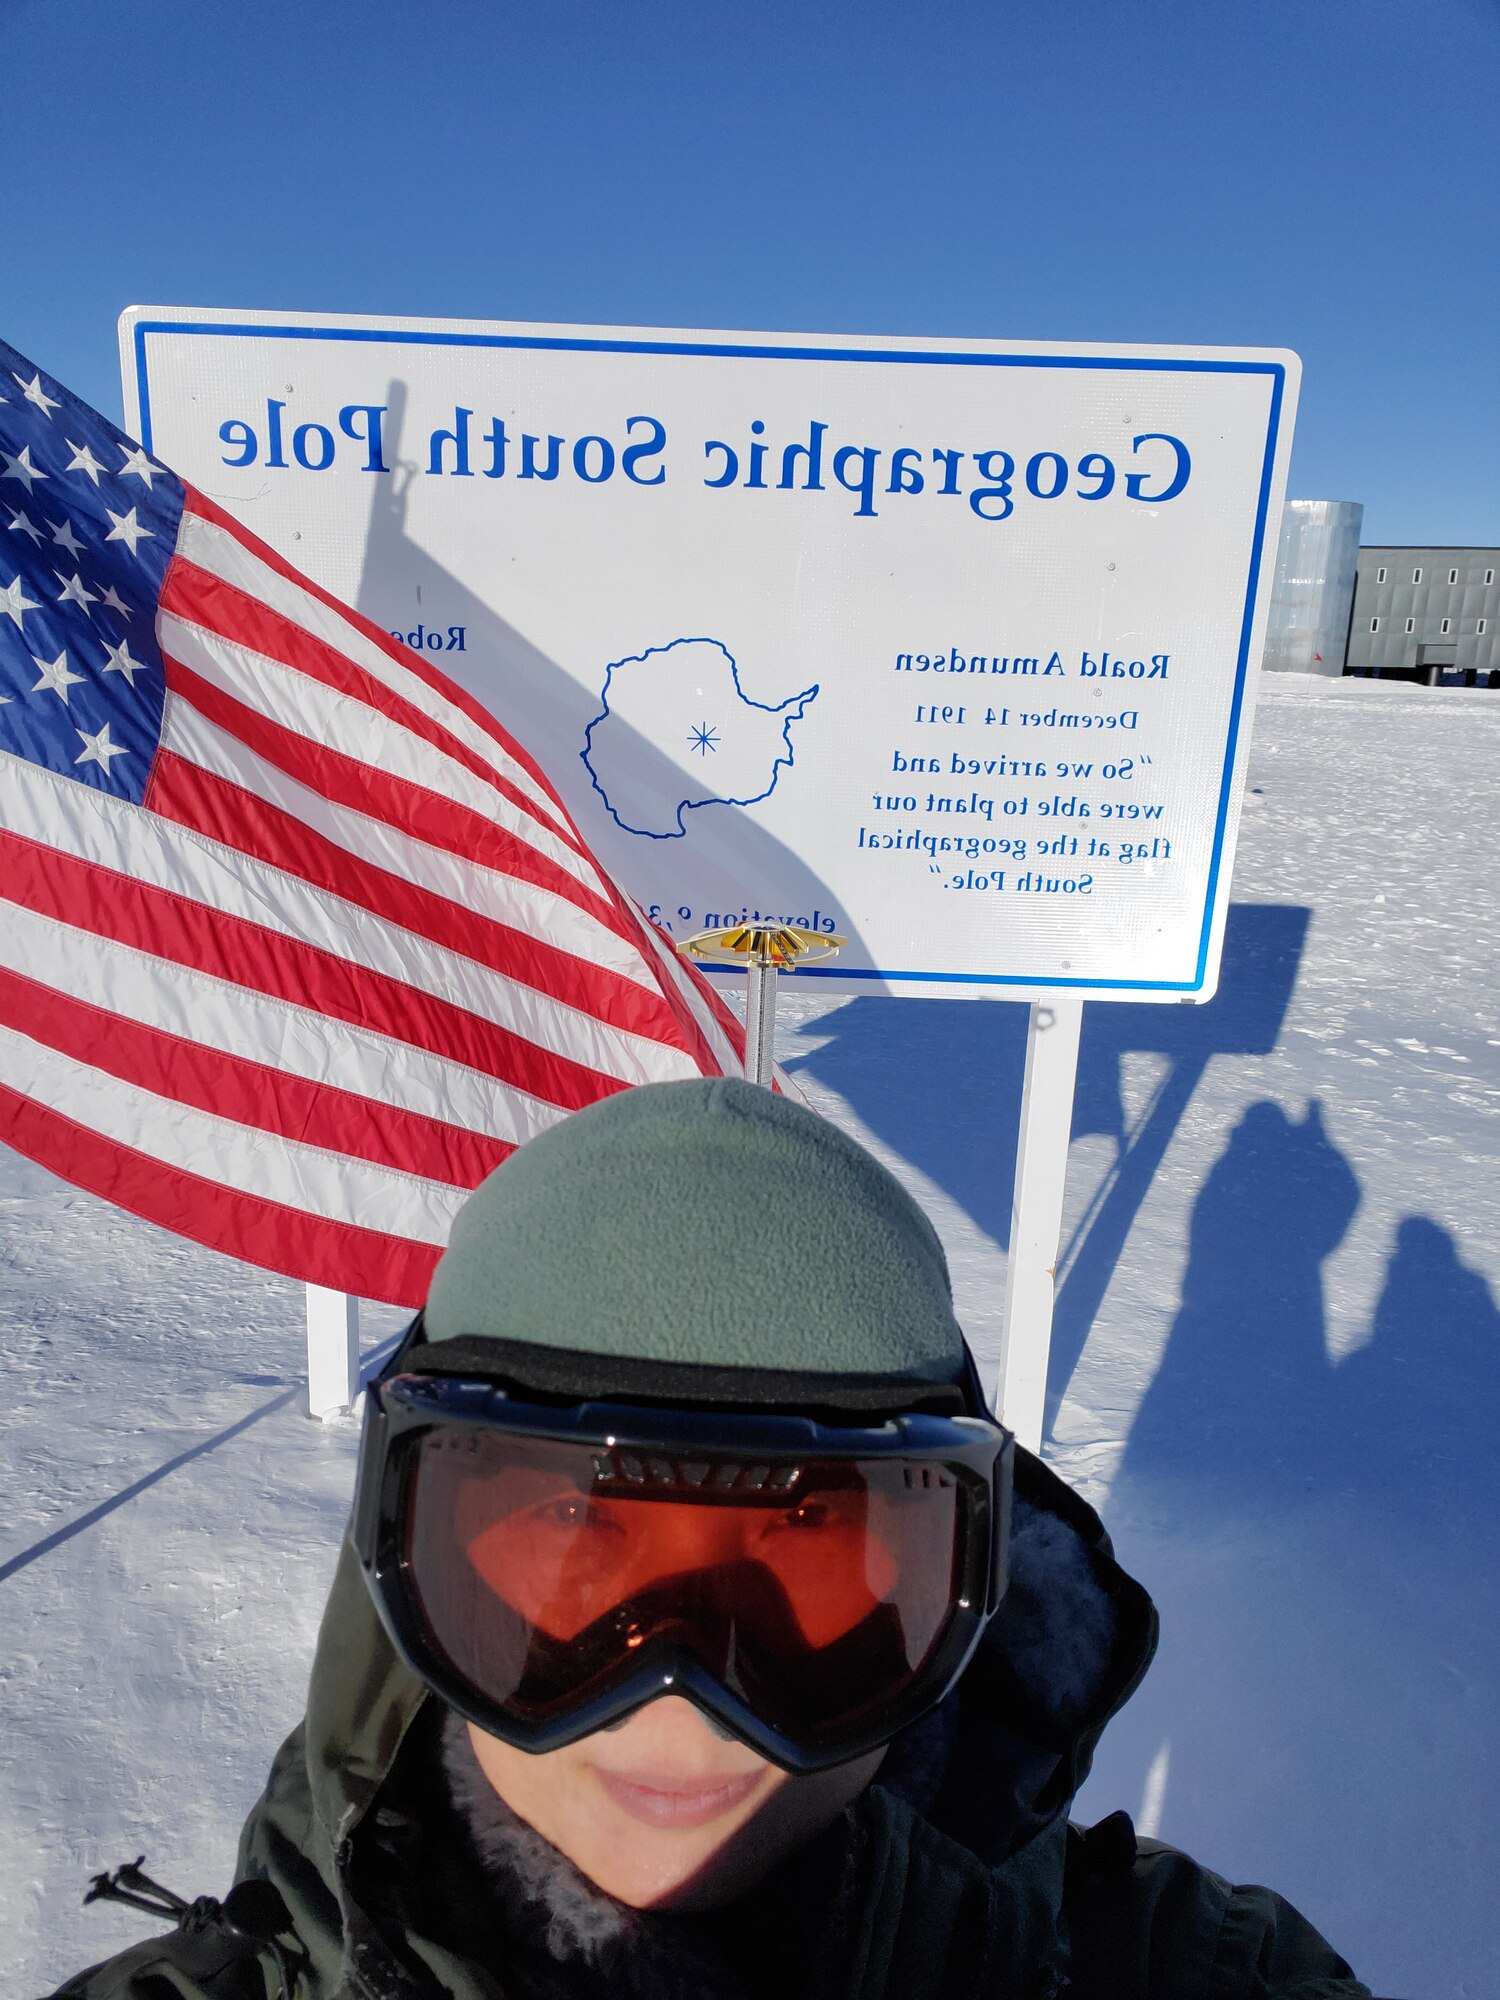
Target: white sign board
947 646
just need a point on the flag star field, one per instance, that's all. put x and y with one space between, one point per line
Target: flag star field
87 528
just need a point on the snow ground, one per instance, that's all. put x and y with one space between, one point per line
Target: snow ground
1275 1369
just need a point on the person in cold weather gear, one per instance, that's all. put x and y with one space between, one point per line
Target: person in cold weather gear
698 1633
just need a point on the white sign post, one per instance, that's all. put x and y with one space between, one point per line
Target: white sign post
946 647
332 1351
1036 1214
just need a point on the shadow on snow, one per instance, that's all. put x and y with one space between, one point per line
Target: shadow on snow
940 1082
1246 1400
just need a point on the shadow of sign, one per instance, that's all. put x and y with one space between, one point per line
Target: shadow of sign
407 590
1263 946
895 1060
940 1082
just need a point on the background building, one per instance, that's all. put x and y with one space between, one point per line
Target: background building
1313 587
1426 613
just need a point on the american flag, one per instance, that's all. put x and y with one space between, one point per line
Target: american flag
299 943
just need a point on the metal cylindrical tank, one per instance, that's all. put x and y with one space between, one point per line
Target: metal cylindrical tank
1313 591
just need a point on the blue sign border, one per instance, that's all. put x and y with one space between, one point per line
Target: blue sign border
897 356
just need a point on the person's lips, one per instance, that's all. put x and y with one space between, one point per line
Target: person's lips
677 1805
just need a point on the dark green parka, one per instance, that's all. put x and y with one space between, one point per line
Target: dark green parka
958 1881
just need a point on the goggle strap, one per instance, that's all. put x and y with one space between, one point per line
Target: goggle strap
574 1376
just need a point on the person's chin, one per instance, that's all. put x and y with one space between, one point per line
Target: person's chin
676 1845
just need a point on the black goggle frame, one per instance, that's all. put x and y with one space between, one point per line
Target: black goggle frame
403 1409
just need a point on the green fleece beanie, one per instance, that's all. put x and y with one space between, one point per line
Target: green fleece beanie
707 1223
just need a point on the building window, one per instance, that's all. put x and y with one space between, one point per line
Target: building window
1374 624
1453 576
1380 574
1416 576
1446 627
1411 624
1482 627
1489 576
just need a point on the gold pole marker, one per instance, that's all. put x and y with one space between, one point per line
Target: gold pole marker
762 944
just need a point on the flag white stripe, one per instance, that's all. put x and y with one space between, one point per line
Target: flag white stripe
719 1042
214 549
330 1185
128 839
195 1007
471 886
309 708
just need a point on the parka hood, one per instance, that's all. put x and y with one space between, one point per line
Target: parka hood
977 1788
1067 1648
361 1701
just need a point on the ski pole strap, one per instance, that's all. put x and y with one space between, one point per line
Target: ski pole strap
130 1884
252 1917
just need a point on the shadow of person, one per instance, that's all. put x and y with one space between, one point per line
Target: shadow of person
1411 1413
1322 1543
1243 1387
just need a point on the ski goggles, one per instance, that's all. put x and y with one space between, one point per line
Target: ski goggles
548 1567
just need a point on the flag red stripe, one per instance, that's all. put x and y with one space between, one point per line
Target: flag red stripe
249 1093
341 1255
425 815
175 928
404 656
202 598
190 796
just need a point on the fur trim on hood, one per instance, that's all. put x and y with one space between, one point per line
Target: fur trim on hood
530 1877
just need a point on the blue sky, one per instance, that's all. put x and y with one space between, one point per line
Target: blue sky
1318 174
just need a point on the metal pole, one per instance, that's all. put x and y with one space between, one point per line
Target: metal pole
760 1023
332 1351
761 949
1036 1214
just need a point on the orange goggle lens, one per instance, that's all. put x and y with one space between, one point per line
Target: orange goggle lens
541 1566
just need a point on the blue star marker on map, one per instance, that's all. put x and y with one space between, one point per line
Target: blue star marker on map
687 693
